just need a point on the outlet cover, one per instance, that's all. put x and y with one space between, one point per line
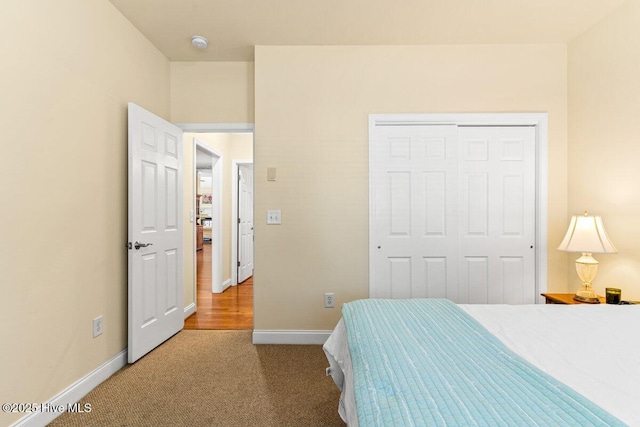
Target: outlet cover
97 326
329 300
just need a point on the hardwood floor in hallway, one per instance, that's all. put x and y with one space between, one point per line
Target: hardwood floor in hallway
232 309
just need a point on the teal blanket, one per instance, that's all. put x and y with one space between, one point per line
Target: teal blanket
425 362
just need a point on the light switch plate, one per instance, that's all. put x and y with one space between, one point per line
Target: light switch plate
271 174
274 217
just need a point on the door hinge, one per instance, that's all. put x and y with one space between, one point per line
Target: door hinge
238 220
238 263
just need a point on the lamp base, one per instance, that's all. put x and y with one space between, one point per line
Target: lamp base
587 300
586 267
586 294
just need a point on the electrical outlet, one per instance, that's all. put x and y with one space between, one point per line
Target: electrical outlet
329 301
97 326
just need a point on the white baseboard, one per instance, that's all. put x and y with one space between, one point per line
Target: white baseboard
189 310
74 392
223 287
290 337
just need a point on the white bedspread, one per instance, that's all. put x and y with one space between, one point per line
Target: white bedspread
594 349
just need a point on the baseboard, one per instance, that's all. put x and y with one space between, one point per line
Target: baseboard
290 337
74 392
189 310
223 286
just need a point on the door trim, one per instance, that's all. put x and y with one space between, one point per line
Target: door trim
235 166
216 127
539 120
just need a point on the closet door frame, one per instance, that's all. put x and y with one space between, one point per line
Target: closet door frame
538 120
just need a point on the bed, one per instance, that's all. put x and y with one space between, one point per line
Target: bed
431 362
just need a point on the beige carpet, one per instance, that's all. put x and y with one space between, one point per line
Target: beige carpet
216 378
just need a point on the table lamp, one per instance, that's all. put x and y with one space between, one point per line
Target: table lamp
586 234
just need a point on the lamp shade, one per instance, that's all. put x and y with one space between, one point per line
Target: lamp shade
586 234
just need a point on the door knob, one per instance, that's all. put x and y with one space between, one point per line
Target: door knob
139 245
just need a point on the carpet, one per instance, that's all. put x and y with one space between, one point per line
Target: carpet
216 378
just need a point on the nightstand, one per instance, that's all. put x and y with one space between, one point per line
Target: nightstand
565 299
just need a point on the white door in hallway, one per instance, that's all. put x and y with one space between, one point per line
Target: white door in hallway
245 226
453 213
155 232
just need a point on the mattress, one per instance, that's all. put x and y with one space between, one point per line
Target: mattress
594 350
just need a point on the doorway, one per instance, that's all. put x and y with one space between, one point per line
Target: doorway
208 211
225 305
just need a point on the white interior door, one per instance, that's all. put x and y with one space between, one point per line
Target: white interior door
496 166
245 219
415 212
453 213
155 232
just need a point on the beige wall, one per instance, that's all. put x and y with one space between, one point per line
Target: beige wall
236 146
604 104
68 70
212 92
312 106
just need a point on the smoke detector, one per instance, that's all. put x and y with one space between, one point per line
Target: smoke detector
199 42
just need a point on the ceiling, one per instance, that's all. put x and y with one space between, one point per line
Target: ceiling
234 27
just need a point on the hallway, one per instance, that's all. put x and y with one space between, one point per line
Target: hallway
232 309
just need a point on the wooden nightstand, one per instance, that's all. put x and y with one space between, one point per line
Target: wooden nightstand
565 299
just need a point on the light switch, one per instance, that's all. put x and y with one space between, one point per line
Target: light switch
271 174
274 217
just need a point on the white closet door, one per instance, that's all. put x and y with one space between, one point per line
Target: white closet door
415 219
497 215
453 213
